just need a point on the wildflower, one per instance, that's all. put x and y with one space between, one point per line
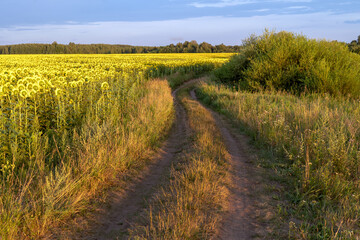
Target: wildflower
104 86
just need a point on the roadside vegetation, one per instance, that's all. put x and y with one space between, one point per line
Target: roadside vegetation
37 197
71 125
293 63
300 99
192 204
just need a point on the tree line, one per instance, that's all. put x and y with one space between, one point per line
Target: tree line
72 48
185 47
354 46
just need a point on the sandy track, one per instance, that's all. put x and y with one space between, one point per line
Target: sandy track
114 221
240 220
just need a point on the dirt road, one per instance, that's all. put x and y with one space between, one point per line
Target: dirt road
240 220
114 220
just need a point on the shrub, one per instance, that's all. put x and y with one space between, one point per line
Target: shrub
294 63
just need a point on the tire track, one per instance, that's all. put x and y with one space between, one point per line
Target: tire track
124 206
240 222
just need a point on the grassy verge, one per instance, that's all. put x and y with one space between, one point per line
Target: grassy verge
190 206
177 79
317 138
33 208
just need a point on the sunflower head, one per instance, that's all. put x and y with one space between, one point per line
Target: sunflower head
104 86
58 92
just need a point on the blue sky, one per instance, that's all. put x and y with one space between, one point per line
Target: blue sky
161 22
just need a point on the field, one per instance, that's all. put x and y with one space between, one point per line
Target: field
261 144
70 123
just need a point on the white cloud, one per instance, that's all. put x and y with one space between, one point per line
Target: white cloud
216 30
293 9
298 7
223 3
231 3
344 3
262 10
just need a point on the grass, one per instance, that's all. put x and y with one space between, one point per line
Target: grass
192 204
317 137
43 201
175 80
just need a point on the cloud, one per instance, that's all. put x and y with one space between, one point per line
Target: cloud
295 9
298 7
344 3
23 29
262 10
353 21
231 3
215 30
221 4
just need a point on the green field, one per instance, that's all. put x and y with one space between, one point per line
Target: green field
120 147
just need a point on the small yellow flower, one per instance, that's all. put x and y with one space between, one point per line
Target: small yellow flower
58 92
104 86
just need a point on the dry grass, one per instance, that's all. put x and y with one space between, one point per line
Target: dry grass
191 205
319 138
122 143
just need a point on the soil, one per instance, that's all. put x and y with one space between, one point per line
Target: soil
113 221
124 206
240 220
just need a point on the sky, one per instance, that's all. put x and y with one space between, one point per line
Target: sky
161 22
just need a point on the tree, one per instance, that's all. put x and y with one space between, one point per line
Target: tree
221 48
205 47
179 48
193 47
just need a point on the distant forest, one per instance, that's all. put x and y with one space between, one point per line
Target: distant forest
72 48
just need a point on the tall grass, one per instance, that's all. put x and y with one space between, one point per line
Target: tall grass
190 205
294 63
37 199
319 136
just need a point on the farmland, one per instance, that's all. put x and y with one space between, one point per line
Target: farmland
70 123
259 144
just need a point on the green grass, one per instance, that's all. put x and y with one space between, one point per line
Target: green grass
177 79
318 138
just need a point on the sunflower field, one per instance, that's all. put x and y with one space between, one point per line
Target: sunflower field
59 112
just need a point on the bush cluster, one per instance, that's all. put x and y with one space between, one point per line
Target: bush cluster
293 63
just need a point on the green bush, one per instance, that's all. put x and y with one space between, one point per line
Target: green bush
294 63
